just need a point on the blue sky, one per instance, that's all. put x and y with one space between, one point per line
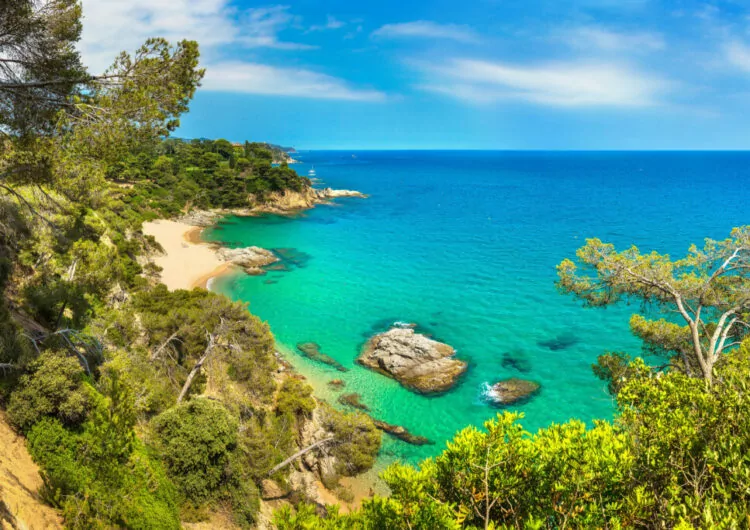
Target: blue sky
478 74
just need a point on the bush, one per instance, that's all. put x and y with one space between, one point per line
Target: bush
55 387
295 398
357 440
195 440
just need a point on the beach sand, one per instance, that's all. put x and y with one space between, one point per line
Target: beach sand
187 262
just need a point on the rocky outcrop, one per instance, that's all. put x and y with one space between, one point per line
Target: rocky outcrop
510 391
252 259
289 201
417 362
402 433
200 218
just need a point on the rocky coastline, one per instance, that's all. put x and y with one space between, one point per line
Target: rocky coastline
287 202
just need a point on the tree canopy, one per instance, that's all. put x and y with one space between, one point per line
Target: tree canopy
704 297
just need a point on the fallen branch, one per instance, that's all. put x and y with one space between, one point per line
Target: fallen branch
299 454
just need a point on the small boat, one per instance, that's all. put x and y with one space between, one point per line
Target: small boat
311 173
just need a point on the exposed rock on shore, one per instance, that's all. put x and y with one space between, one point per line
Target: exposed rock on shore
509 391
417 362
249 258
402 433
289 201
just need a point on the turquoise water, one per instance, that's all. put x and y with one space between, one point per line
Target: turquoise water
465 245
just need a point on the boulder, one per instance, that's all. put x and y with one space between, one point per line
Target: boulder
249 258
417 362
509 391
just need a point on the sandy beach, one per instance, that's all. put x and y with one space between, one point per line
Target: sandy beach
187 262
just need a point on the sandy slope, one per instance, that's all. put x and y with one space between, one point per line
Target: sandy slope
19 484
187 263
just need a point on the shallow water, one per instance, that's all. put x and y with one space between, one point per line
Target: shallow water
465 245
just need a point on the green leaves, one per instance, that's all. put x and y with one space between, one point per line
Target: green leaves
705 291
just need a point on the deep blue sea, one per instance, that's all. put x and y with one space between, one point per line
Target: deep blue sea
465 244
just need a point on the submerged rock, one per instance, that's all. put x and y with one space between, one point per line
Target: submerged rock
513 390
402 433
336 384
417 362
515 361
311 350
249 258
353 400
561 342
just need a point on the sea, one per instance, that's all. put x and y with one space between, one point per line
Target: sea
464 244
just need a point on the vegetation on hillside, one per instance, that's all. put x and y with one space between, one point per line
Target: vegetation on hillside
145 408
177 174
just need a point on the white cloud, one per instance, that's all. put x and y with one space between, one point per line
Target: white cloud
254 78
331 23
559 84
588 37
110 26
427 29
738 55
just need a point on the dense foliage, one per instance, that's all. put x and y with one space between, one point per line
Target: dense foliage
179 174
145 407
677 455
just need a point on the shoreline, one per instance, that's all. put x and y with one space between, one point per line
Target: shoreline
187 261
190 262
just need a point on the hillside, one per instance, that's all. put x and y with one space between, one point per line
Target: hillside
21 506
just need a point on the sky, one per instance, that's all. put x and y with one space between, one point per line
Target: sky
448 74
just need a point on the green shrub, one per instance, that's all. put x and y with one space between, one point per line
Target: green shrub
55 387
295 398
195 440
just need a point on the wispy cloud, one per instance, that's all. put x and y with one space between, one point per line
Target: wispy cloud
114 25
737 54
600 38
427 29
331 23
567 84
221 30
254 78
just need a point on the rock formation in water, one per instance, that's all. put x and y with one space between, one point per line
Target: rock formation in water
311 350
252 259
353 400
417 362
509 391
402 433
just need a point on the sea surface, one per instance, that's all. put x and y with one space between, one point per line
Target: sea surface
465 244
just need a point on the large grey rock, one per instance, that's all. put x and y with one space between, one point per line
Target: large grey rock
417 362
249 258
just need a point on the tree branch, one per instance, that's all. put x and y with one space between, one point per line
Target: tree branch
299 454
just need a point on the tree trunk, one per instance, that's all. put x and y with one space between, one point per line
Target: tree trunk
196 368
299 454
